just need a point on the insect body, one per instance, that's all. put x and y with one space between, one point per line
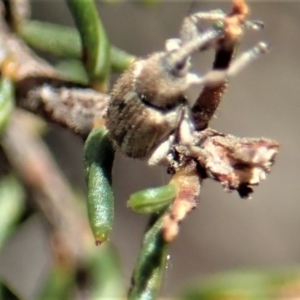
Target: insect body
143 110
148 102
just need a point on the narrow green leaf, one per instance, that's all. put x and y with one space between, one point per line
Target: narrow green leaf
152 200
56 39
74 70
120 60
148 272
11 205
99 156
6 101
95 44
59 283
65 42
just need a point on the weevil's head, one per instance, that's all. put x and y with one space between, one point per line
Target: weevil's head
161 79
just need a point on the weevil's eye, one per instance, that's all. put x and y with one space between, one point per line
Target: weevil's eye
175 65
180 66
180 69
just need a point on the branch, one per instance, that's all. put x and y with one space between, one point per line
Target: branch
33 163
43 90
77 108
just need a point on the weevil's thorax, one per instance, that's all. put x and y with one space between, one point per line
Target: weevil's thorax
146 107
156 83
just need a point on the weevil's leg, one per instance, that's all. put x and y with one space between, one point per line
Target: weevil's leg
212 15
160 154
186 128
246 58
216 76
186 137
237 65
189 29
254 25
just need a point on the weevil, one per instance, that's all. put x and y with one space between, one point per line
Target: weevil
148 108
149 112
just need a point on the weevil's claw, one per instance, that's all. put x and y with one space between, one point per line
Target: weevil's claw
255 25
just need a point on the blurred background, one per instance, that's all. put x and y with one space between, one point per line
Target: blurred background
225 232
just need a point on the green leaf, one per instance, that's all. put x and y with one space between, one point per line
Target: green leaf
120 60
65 42
6 101
148 272
74 70
152 200
59 283
99 157
52 38
95 44
11 205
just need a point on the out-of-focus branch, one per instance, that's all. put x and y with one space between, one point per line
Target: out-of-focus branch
16 11
32 161
43 90
75 108
17 60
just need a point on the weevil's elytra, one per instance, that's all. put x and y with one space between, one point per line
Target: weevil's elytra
136 119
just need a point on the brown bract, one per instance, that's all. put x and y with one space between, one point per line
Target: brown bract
237 163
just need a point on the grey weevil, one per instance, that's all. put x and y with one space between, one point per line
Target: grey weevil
148 107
